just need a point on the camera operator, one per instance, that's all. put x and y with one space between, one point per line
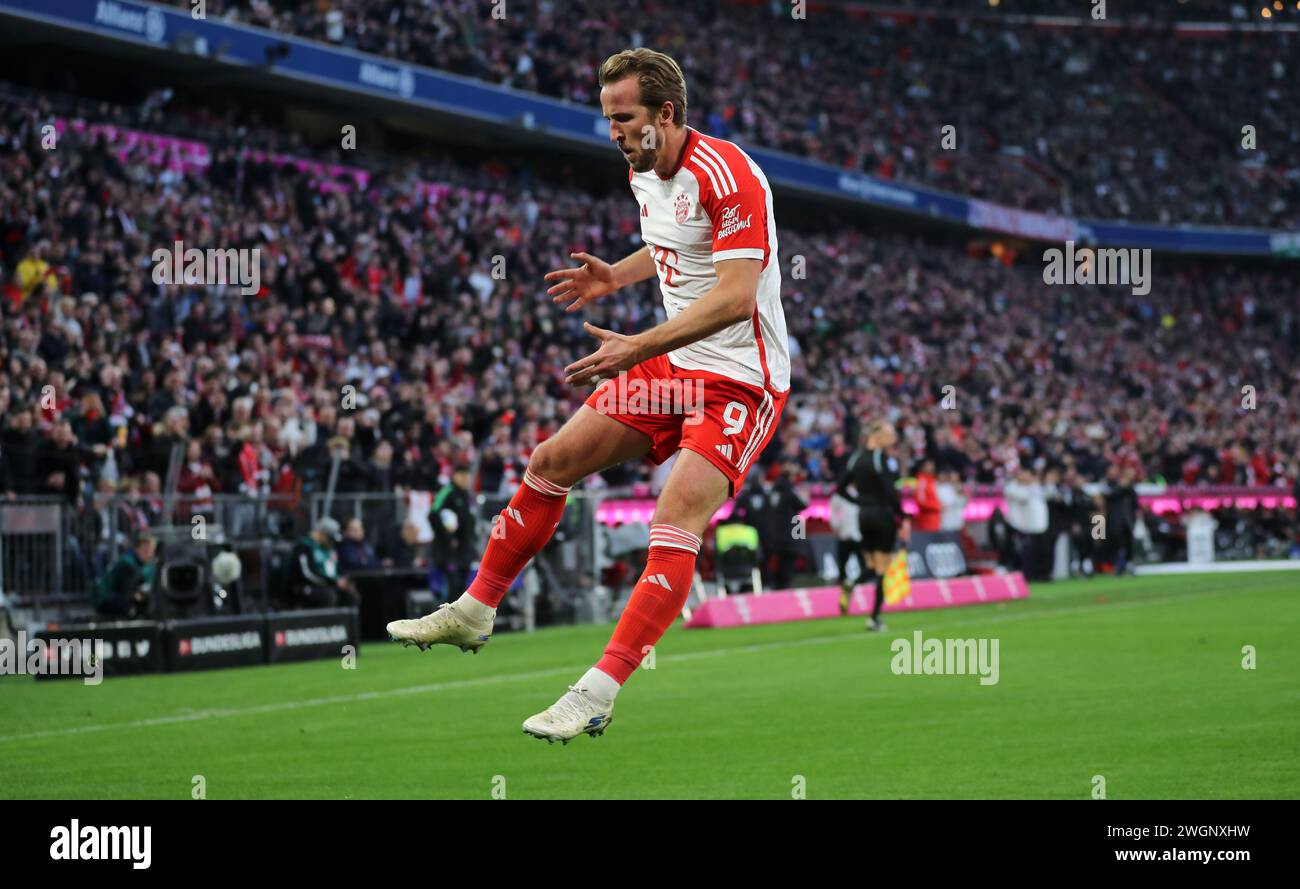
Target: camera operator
125 591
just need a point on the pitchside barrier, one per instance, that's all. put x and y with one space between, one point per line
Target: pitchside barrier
125 647
135 647
311 635
935 554
782 606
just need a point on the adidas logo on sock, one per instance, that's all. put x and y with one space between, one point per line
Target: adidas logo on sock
659 580
514 514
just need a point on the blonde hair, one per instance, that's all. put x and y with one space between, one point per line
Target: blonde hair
658 78
875 427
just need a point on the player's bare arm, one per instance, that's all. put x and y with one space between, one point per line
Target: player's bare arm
731 301
596 278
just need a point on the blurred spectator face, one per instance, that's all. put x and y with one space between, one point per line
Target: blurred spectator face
410 534
177 422
347 427
152 484
146 548
193 451
927 467
384 453
354 531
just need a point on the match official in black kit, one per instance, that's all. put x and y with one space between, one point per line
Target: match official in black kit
870 483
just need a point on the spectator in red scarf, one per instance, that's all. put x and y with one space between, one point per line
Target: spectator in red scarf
254 459
929 509
198 481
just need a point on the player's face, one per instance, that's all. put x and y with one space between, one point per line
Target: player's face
632 126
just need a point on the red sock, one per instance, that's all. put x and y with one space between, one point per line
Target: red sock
520 531
656 600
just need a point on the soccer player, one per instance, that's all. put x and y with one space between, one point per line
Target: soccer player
710 238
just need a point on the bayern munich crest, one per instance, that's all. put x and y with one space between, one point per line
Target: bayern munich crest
682 208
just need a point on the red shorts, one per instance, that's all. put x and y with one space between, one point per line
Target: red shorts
723 420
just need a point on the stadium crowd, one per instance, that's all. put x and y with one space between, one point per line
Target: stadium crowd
1140 125
1142 11
380 335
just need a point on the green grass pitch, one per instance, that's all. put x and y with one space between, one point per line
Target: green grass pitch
1139 680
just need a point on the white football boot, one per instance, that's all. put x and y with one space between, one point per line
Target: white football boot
576 713
448 626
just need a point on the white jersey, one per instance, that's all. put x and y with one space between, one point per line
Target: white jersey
717 205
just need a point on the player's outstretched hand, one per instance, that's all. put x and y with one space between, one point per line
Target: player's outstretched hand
581 285
617 352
